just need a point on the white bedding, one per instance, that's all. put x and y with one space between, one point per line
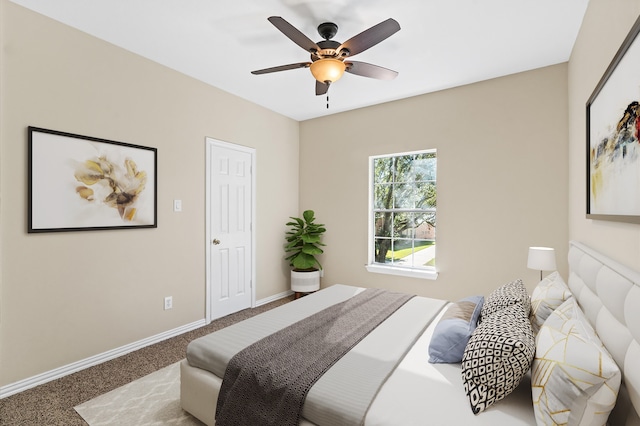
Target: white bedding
415 393
419 393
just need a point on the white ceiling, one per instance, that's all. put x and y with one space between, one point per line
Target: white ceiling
442 43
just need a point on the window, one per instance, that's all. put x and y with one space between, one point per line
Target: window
402 214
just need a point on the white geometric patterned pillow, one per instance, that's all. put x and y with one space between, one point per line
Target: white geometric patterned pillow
504 296
550 293
574 380
497 357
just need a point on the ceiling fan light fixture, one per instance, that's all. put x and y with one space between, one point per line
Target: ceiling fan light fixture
327 70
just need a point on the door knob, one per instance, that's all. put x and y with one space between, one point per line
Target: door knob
215 241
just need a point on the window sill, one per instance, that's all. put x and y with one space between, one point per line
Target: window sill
413 273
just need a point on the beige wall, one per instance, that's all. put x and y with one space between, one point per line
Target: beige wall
68 296
502 180
502 173
605 26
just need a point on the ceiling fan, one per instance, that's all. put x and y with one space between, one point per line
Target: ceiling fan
330 58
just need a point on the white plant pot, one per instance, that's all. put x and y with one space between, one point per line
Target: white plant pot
305 282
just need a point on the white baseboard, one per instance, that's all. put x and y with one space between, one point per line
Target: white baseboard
273 298
65 370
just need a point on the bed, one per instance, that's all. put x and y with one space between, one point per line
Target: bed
415 391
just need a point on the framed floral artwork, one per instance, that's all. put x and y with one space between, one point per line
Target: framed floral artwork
82 183
613 137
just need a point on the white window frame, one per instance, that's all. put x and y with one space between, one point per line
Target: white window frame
371 266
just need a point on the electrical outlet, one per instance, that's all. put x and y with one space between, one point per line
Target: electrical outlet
168 302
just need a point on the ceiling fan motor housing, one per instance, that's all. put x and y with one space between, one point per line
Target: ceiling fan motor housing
328 49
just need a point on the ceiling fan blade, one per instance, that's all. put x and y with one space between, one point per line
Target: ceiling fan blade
369 70
371 37
294 34
281 68
321 88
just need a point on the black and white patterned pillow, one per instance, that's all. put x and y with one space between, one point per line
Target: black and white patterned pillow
504 296
497 357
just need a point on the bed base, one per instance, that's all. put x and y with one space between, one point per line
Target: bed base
199 392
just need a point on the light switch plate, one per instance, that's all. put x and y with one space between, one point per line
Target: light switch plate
177 205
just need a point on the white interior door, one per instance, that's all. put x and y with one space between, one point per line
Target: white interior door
230 213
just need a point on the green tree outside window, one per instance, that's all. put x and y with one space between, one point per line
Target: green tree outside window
404 206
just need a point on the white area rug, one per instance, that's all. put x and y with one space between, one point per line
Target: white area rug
151 400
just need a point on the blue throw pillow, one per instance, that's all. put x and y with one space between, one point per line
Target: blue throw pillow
452 333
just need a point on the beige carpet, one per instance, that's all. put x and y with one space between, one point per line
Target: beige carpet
152 400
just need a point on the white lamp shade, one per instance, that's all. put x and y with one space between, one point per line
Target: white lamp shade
542 259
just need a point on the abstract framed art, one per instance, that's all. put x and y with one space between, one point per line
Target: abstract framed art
82 183
613 137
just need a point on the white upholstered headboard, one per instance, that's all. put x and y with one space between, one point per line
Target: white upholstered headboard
609 295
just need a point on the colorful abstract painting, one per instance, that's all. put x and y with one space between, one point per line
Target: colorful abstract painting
613 138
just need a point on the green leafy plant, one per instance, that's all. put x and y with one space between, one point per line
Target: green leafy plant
303 242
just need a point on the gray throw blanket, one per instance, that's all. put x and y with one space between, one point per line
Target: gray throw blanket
267 383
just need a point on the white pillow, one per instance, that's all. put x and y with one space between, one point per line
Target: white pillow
550 293
574 380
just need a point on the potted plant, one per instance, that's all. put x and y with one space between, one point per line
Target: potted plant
303 245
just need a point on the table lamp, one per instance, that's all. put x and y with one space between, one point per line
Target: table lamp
542 258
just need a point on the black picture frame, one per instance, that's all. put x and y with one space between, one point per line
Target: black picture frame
84 183
613 127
